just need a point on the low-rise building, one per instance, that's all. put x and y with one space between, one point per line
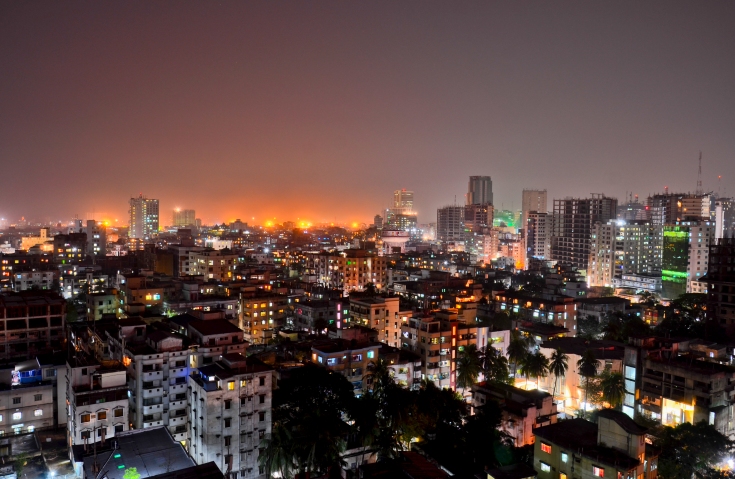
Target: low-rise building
26 399
31 323
577 448
97 393
523 410
262 314
382 314
350 360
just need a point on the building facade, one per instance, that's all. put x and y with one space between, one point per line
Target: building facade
144 221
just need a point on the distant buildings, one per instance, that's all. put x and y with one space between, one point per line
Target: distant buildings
33 324
450 224
144 220
480 190
685 257
720 281
620 248
538 234
183 218
532 200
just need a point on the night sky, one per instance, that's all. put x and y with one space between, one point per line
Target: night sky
319 110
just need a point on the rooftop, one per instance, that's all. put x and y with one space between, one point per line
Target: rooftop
603 349
213 326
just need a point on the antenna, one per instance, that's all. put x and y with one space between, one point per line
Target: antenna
699 175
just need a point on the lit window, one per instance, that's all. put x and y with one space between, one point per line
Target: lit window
17 415
564 457
38 412
598 471
371 354
243 383
545 467
231 386
562 475
546 448
84 418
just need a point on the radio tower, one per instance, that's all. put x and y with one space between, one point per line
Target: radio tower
699 176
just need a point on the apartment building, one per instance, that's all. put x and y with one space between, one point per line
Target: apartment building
262 313
721 282
685 257
103 303
560 312
212 264
383 315
139 290
350 270
31 323
26 280
70 248
97 395
522 410
230 413
26 399
437 338
618 248
308 312
212 338
573 219
615 447
350 360
538 234
669 384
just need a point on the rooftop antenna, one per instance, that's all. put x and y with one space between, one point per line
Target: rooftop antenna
699 175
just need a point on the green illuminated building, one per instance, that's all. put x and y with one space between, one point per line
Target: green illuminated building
675 261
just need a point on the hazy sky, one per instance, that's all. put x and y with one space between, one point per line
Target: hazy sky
319 109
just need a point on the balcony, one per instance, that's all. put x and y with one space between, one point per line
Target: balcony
152 375
152 393
177 372
177 421
177 404
152 423
155 408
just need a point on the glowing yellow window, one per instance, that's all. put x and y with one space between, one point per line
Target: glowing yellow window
243 383
231 386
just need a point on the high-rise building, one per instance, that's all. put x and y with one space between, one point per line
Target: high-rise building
538 239
96 239
685 257
721 282
143 218
619 248
378 222
183 218
724 218
480 190
533 200
478 216
450 224
403 200
572 227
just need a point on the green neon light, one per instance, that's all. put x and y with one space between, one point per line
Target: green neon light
116 456
121 466
675 274
676 234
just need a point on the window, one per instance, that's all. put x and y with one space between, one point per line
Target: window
562 475
546 448
38 397
243 400
17 416
262 380
38 412
598 471
118 412
102 415
84 371
85 434
119 428
261 416
85 418
16 400
228 439
231 385
228 403
243 383
228 421
545 467
101 431
564 457
261 399
371 354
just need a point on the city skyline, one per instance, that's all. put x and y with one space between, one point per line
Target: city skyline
178 102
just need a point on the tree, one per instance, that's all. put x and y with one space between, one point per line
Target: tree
691 450
587 366
558 366
612 387
370 289
517 349
535 365
589 327
320 324
494 365
378 377
647 298
308 431
468 367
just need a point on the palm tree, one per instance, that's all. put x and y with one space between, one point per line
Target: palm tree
535 365
558 366
613 388
587 366
379 376
468 367
494 364
517 349
276 453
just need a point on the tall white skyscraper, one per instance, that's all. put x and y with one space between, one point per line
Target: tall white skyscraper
480 190
143 217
